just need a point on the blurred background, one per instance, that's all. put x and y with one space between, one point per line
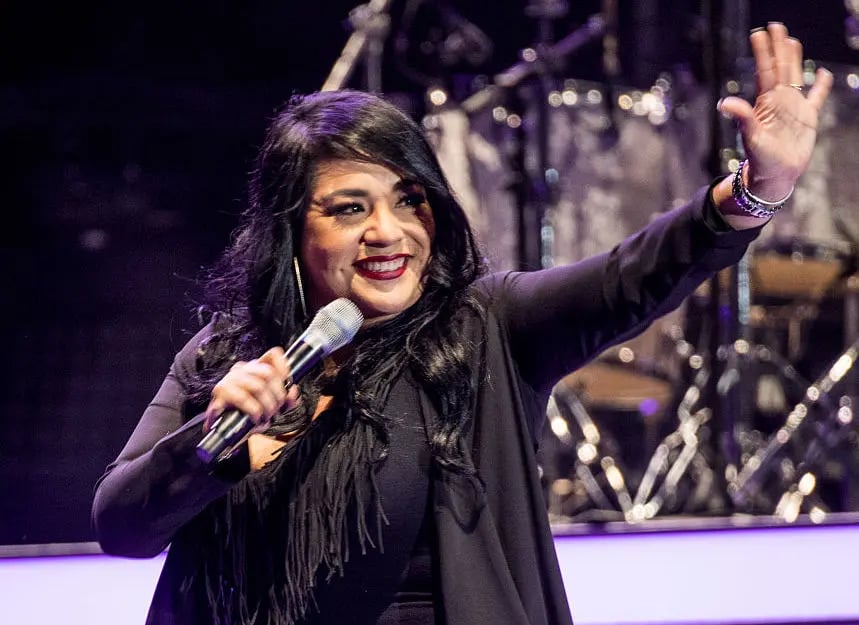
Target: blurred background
128 131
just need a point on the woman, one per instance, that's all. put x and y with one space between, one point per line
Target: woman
409 493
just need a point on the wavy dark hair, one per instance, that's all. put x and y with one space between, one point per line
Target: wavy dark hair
254 289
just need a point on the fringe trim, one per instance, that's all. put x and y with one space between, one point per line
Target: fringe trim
288 524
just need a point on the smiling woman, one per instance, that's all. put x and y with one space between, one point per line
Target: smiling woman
367 236
404 487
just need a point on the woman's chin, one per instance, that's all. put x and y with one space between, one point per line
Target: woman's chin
382 312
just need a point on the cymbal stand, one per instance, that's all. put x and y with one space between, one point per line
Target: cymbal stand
682 452
683 461
837 429
370 23
829 431
679 454
685 439
591 449
539 194
725 385
534 188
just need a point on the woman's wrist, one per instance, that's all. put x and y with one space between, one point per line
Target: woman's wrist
771 191
730 210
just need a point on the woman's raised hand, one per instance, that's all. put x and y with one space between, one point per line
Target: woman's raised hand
780 130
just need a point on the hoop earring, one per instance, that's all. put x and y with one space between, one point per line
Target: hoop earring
300 286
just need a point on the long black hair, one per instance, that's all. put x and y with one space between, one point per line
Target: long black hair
255 290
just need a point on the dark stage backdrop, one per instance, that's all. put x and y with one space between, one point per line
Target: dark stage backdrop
126 133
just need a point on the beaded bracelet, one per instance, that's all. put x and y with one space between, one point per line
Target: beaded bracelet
751 203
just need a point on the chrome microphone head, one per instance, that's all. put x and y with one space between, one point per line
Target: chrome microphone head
335 325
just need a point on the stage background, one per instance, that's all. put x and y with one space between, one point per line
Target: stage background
127 132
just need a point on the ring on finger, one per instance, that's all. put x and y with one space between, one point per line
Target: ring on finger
799 87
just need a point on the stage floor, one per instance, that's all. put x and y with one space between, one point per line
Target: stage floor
672 571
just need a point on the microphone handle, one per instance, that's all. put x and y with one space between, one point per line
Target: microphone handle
232 426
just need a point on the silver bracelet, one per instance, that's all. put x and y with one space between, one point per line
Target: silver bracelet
751 203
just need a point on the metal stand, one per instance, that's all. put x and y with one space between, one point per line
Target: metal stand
535 190
679 462
370 23
823 434
725 387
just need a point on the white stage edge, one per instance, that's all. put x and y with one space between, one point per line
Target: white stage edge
751 575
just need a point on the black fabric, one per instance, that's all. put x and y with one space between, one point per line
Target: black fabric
414 601
496 559
371 579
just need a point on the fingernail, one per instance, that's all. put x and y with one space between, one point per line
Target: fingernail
756 30
775 23
719 104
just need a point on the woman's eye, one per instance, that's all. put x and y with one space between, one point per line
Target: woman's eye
346 208
413 199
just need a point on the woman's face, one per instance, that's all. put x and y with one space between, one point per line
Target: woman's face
367 236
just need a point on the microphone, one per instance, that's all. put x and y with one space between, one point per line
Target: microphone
334 326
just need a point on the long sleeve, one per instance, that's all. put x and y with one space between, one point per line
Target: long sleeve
559 318
157 484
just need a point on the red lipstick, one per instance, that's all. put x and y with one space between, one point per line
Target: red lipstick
382 267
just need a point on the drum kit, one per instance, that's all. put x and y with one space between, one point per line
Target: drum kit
632 435
635 434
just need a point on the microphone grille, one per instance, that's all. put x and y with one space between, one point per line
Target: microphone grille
336 324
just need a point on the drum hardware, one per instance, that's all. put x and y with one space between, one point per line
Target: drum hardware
370 23
790 318
674 456
593 449
682 453
851 24
681 465
680 474
835 430
600 471
827 431
833 436
827 427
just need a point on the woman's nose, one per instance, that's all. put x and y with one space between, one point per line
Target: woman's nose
383 227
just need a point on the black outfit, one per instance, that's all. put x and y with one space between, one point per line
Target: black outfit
493 559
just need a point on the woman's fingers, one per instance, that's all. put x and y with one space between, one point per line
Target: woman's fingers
766 70
782 53
820 89
737 109
256 388
778 57
275 358
794 50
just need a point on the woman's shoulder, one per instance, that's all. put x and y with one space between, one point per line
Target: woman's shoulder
491 286
495 290
213 330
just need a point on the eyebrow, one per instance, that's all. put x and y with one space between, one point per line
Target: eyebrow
401 185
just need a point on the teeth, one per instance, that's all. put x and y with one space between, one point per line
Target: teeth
388 265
